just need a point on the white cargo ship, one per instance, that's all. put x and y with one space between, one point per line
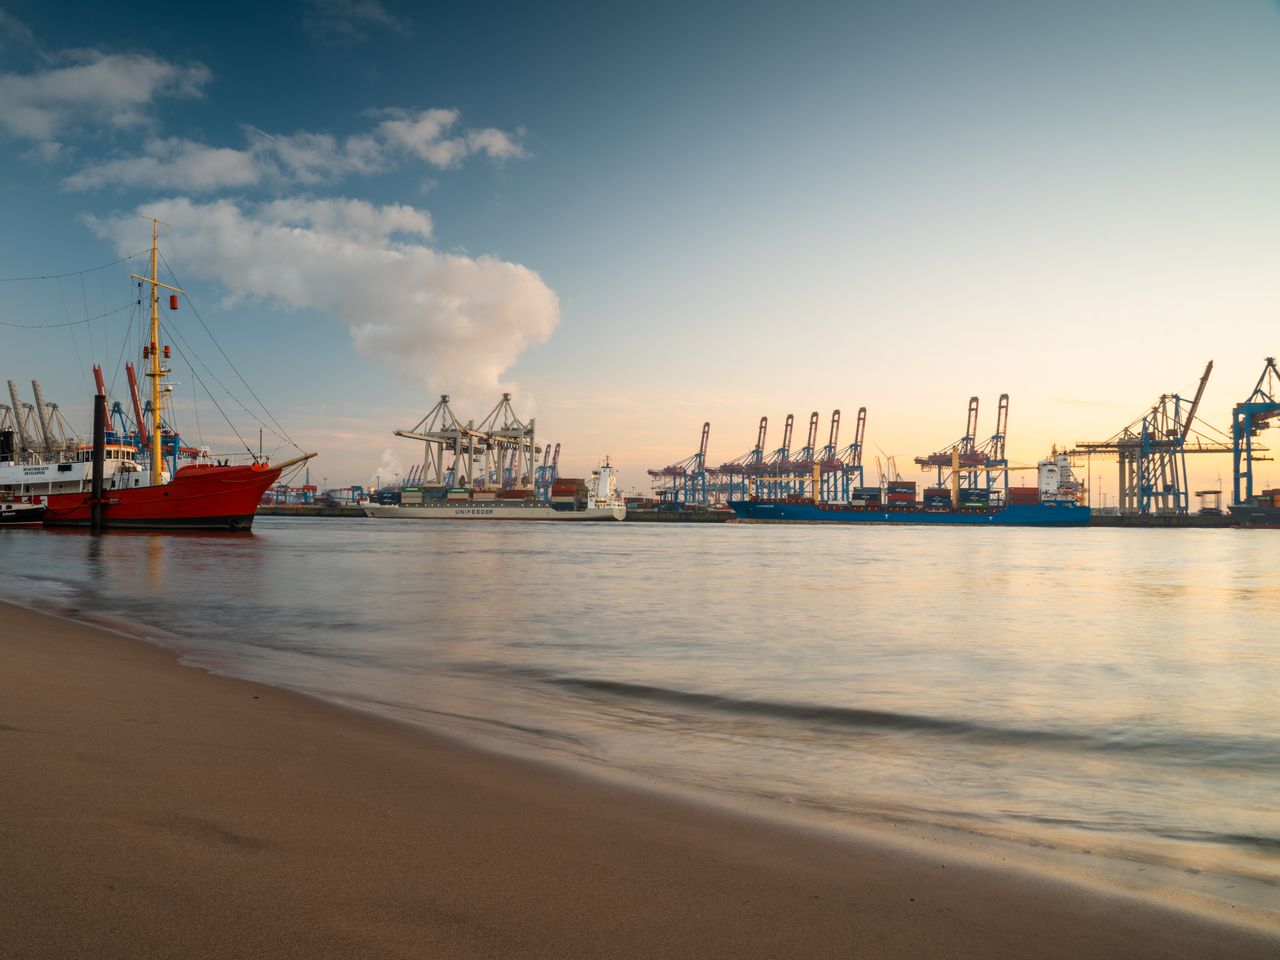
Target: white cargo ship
597 501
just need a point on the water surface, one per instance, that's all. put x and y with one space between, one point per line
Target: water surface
1109 694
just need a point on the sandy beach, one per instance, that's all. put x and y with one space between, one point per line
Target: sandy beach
155 810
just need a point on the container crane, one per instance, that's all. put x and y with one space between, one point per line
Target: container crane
963 455
774 476
1249 418
684 483
738 473
1152 453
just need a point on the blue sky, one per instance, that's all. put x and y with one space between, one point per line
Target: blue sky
641 219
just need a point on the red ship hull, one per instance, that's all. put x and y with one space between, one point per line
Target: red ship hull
198 498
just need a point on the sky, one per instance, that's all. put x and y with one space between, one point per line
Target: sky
638 219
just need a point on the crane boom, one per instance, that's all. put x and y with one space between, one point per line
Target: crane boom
137 403
1195 404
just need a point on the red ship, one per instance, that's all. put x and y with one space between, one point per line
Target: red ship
200 495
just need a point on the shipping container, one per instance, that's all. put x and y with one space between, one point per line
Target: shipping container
1024 495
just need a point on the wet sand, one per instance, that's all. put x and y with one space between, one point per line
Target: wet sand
153 810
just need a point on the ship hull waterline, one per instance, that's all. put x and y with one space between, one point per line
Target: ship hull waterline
473 511
198 498
1015 515
1262 518
21 515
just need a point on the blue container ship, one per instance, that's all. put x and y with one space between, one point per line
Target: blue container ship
1053 502
1012 515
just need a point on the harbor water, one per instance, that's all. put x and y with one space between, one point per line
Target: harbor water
1107 700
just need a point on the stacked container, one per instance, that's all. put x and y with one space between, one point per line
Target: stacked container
901 492
1024 495
937 497
567 493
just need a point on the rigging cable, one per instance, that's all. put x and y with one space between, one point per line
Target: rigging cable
190 355
178 339
283 434
74 273
72 323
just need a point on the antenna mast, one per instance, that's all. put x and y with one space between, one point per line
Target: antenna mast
152 352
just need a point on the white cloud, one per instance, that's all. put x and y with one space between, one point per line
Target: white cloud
302 158
113 90
166 164
455 323
14 31
349 21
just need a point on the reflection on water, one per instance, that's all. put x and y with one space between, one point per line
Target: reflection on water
1103 690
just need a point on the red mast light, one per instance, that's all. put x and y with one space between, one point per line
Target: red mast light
173 301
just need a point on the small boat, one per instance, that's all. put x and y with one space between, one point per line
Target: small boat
21 514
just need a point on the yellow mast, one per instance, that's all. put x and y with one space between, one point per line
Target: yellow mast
152 351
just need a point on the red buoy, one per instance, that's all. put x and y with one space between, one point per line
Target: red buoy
173 301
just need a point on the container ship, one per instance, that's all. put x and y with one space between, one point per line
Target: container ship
1263 512
570 499
1053 502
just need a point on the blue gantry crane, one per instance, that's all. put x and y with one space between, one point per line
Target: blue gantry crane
1249 418
683 484
1152 453
738 473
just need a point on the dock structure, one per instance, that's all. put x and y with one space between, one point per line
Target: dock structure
38 430
830 471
